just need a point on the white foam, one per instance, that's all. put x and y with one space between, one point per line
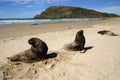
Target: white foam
38 21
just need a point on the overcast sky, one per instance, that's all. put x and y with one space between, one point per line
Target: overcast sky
29 8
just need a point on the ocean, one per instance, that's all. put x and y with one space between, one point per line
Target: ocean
20 21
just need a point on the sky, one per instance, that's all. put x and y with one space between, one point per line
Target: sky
29 8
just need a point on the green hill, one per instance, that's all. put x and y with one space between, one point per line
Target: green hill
72 12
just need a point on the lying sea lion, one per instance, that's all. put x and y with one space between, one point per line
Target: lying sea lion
107 32
37 52
78 44
25 56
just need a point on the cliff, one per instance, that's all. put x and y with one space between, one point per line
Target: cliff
71 12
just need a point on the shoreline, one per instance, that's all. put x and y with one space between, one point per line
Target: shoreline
29 29
18 22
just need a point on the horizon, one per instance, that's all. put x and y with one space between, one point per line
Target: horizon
30 8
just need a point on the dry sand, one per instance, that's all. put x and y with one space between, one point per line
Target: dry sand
100 62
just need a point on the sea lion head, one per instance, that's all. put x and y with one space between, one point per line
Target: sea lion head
34 42
102 32
80 32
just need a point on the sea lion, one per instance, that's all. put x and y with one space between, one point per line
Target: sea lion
38 46
107 32
78 44
38 51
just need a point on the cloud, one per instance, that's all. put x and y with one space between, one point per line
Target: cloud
112 9
29 6
16 1
34 1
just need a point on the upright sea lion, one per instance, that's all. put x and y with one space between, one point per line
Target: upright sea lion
79 40
78 44
37 52
107 32
39 47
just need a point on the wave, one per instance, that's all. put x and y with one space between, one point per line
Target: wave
38 21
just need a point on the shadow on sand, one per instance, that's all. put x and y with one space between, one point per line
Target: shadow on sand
51 55
87 48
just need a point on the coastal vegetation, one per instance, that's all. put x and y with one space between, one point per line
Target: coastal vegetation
72 12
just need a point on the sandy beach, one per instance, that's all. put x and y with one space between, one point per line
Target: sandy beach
100 62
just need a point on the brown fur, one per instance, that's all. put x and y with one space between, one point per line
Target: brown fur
38 46
37 52
107 32
78 43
